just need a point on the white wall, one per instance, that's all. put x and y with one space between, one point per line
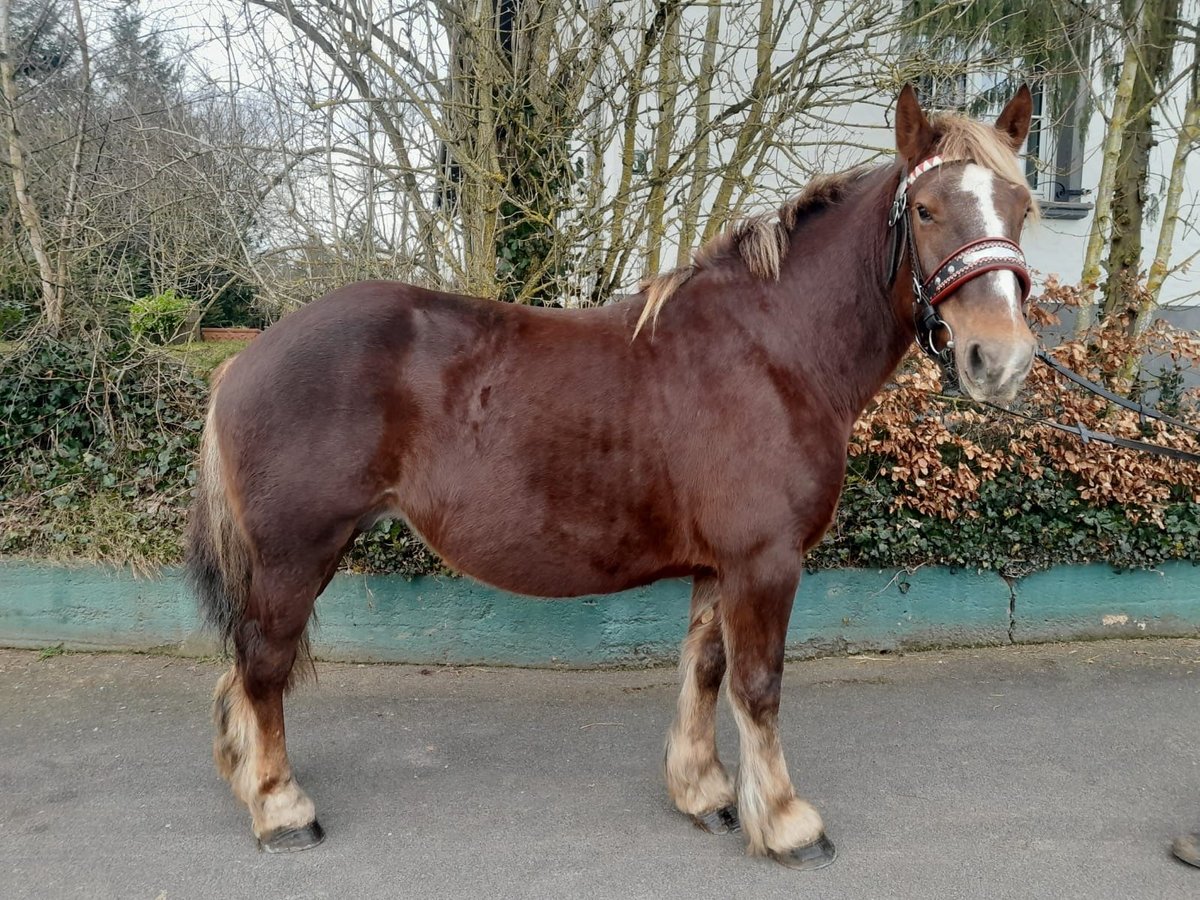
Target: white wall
1053 246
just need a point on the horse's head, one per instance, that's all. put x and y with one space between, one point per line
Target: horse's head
965 200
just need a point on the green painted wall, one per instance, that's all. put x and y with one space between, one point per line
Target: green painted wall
451 620
1095 601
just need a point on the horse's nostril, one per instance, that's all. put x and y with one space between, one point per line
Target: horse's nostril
976 365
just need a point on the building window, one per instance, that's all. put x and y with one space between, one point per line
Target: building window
1054 149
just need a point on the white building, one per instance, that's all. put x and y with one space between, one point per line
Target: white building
1064 157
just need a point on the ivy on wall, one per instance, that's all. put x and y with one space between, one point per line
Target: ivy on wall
98 438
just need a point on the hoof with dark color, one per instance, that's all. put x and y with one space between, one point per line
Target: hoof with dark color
720 821
289 840
816 855
1187 848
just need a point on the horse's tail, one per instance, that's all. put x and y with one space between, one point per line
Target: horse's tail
217 552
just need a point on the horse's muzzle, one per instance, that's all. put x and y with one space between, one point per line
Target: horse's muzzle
994 370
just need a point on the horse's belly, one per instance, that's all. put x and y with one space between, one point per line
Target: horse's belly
554 558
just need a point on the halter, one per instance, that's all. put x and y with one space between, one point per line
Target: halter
968 262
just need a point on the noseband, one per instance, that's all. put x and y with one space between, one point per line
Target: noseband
968 262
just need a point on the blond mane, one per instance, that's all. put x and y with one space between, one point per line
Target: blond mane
762 241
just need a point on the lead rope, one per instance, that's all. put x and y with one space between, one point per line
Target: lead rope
1146 412
1086 435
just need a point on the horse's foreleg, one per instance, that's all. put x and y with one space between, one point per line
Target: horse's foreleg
777 823
250 747
696 780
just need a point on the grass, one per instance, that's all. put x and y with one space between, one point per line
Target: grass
51 652
201 356
104 526
204 356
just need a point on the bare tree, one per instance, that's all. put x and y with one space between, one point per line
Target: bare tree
1187 138
552 150
31 216
125 183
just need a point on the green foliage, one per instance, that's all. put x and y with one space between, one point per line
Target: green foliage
159 318
204 356
233 307
98 442
51 652
45 43
1021 525
391 547
97 445
540 178
138 66
1049 41
12 316
20 293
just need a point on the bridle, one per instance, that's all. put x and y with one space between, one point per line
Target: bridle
991 254
987 254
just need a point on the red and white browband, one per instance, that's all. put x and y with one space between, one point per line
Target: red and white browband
988 254
921 168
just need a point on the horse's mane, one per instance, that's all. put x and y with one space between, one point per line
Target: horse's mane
762 241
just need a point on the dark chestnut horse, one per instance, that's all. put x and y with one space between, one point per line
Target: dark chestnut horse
560 452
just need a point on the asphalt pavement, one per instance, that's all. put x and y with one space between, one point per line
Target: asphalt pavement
1058 771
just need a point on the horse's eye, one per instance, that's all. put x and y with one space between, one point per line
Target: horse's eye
924 214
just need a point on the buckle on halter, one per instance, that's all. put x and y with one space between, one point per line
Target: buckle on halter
898 207
928 324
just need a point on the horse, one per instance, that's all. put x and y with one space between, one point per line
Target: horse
697 428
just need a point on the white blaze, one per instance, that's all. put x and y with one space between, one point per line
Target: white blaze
979 183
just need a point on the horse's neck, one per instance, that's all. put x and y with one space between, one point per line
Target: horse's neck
840 325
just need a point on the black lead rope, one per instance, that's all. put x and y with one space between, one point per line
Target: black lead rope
1086 435
1146 412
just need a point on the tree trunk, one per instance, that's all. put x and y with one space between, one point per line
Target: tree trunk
1101 218
52 306
1156 40
72 208
1186 141
611 269
478 78
691 209
750 128
668 90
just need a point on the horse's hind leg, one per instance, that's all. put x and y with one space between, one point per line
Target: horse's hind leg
250 747
696 780
756 605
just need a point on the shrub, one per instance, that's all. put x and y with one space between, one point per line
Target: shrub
936 479
234 307
160 318
97 444
12 315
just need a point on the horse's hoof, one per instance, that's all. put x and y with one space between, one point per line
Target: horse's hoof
720 821
289 840
1187 848
816 855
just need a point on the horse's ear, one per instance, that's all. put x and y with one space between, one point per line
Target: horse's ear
1014 121
914 135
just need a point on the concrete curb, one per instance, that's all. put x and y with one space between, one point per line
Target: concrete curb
458 621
